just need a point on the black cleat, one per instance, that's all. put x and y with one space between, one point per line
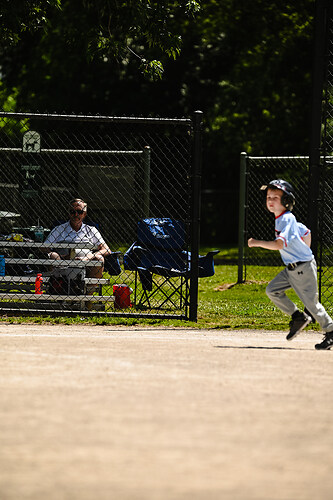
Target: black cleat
326 344
297 324
309 314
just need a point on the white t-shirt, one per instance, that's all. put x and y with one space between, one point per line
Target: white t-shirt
64 233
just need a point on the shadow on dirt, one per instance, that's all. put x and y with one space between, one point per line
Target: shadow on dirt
260 347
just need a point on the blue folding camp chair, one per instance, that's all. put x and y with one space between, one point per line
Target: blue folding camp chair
162 263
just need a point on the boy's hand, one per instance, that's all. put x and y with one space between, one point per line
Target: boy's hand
269 245
251 242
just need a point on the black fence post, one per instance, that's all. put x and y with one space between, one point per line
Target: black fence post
316 122
146 180
195 213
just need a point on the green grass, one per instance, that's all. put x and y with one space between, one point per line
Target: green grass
222 304
226 304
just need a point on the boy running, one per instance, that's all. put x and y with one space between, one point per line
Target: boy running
300 272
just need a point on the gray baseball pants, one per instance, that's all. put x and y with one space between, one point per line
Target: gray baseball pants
303 280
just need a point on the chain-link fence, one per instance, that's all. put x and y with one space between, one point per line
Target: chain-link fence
326 188
126 170
312 177
326 240
255 220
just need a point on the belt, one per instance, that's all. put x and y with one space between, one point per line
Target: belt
293 265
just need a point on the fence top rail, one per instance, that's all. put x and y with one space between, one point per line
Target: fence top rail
78 151
277 157
96 118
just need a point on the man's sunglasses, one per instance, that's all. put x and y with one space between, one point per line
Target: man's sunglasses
78 212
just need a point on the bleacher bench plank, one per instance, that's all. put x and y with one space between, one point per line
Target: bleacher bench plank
54 262
31 279
46 296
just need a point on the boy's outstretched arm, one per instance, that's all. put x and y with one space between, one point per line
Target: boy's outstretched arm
269 245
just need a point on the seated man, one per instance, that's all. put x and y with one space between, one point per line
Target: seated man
75 231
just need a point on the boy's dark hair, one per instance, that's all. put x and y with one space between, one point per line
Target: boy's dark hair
288 197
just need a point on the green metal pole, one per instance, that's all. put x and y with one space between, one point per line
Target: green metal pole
241 216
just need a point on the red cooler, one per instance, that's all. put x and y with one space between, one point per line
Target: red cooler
122 296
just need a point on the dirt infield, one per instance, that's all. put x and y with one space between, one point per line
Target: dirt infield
94 413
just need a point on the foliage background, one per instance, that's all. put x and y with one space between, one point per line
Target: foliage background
246 65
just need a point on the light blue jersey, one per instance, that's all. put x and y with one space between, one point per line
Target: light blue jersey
290 232
303 230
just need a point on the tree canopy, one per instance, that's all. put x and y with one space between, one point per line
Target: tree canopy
111 29
246 65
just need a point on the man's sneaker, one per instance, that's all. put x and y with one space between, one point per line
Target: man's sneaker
297 324
327 343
